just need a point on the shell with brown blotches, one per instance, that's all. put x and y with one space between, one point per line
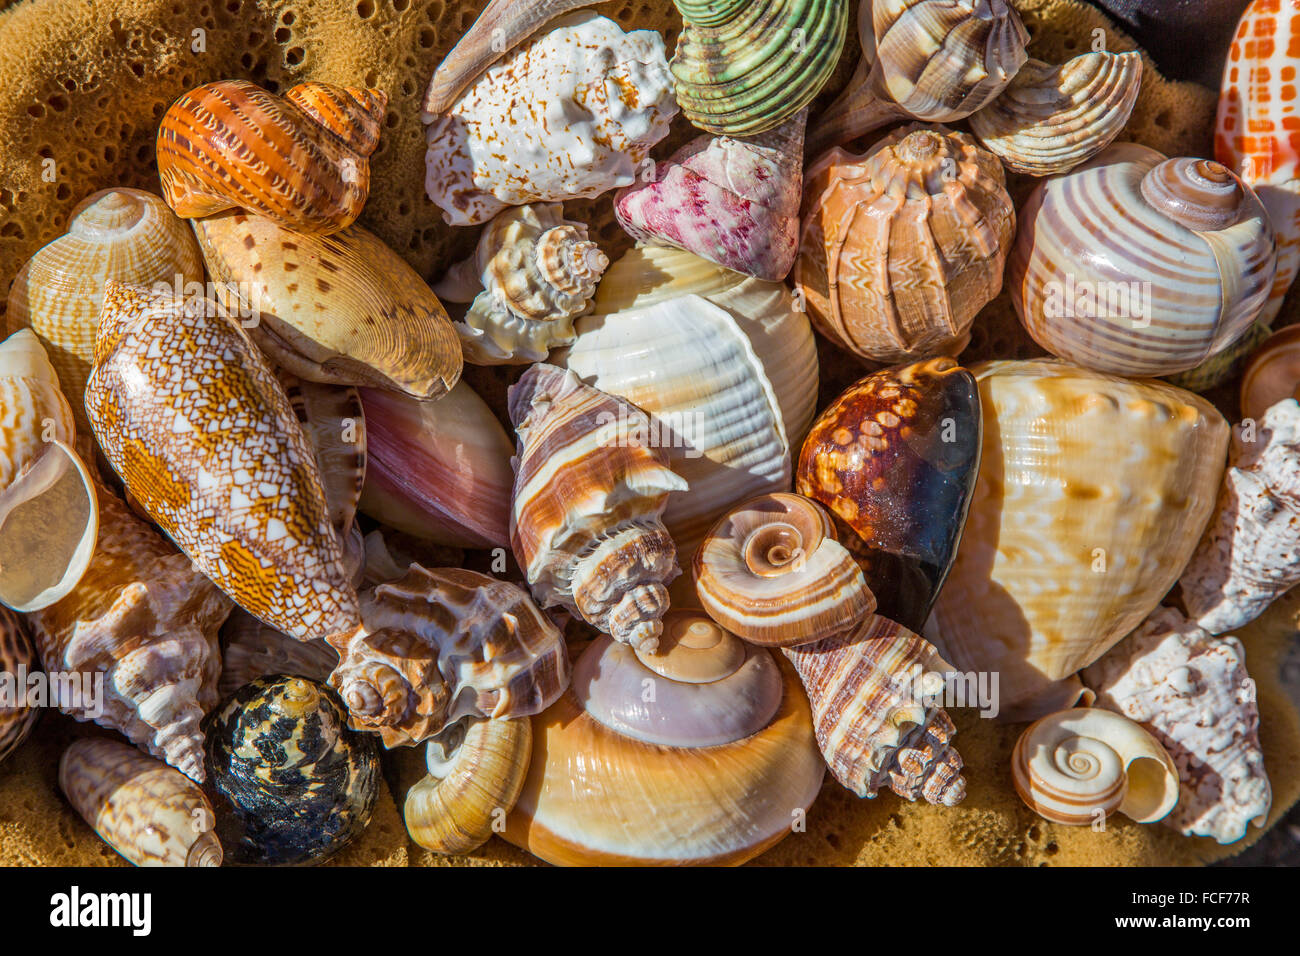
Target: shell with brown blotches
17 659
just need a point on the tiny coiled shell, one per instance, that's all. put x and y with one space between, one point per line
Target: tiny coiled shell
125 234
302 159
148 812
190 415
1079 766
1050 119
17 659
532 272
771 572
251 649
1140 265
1272 374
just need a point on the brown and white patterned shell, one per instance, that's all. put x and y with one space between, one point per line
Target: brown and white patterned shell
441 644
301 159
146 811
190 415
334 422
251 649
17 658
589 496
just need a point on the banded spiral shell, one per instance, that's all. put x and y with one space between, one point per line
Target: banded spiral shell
17 659
301 159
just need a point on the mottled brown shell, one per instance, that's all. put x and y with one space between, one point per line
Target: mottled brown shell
17 657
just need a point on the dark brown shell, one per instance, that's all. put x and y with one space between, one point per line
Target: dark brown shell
17 657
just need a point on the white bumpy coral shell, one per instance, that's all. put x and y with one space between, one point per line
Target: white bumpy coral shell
1191 691
570 114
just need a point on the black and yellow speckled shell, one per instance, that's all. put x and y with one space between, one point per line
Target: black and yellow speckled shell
291 784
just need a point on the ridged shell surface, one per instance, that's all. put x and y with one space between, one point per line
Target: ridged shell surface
17 655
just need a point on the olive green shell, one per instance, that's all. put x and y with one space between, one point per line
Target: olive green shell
17 657
1221 366
290 783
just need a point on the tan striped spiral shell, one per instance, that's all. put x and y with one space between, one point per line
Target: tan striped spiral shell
17 655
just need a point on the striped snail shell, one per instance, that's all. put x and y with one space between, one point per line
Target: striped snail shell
16 655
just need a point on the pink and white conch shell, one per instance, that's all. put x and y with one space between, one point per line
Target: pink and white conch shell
1192 692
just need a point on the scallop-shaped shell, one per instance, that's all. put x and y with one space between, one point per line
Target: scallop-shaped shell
123 234
894 460
251 649
17 660
1052 118
1272 374
570 114
342 309
1248 554
591 485
746 66
442 644
902 246
1140 265
1079 766
302 159
771 572
189 414
1092 492
138 637
734 201
149 813
1192 692
291 783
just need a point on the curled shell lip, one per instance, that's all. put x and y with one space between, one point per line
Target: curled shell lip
1272 374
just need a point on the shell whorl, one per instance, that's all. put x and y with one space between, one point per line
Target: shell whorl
1197 193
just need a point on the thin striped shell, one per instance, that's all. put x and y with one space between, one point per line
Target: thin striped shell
149 813
301 159
334 422
17 659
251 649
188 413
1140 265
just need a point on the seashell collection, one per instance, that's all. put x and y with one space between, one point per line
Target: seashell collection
597 531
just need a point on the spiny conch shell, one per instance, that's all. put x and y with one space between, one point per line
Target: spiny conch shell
933 60
438 470
342 309
590 490
1140 265
700 753
302 159
746 66
570 114
149 813
1248 554
732 200
1052 118
17 657
875 696
1081 765
251 649
894 460
901 247
771 572
188 413
442 644
1192 692
1272 374
476 771
125 234
139 632
1255 131
1092 492
532 273
48 515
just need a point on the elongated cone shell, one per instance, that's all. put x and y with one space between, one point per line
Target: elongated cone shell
902 246
1079 765
302 159
17 659
251 649
894 460
1140 265
343 309
703 773
476 771
188 413
771 572
149 813
1092 492
746 67
442 644
125 234
590 491
139 634
1272 374
438 470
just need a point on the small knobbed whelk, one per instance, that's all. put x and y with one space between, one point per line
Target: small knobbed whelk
148 812
189 414
1272 374
17 660
901 247
1080 766
302 159
1140 265
586 518
532 272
